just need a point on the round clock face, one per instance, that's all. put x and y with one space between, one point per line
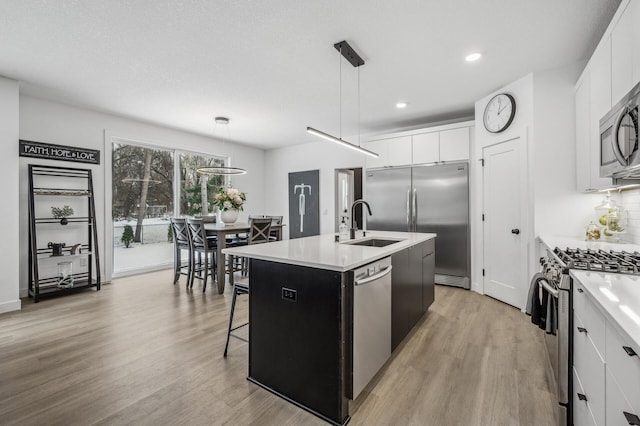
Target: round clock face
499 113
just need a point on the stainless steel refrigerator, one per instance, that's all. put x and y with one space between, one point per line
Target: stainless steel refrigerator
426 199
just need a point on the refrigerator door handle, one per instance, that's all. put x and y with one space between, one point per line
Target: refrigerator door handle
408 210
415 210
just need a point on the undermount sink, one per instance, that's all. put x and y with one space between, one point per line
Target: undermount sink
372 242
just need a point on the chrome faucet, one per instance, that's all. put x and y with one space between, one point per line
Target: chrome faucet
352 231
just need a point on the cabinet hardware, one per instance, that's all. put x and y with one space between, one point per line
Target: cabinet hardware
582 329
629 351
632 419
515 231
582 397
580 290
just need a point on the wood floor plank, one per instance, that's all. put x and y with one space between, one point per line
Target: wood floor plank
143 351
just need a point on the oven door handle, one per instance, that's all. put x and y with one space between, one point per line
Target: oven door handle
550 289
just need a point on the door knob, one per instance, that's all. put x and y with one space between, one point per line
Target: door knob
515 231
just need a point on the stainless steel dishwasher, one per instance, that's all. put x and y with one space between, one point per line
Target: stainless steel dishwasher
371 321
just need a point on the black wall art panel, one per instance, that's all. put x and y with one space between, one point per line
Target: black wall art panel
304 203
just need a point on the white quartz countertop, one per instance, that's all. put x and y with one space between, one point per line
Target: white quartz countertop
618 296
581 243
321 251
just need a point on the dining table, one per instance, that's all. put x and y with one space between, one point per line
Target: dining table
221 233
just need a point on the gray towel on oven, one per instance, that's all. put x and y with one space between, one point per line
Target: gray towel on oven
534 292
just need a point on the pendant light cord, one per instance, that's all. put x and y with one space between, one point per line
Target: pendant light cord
340 71
358 106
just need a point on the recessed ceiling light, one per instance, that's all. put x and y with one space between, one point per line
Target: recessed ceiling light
473 57
401 105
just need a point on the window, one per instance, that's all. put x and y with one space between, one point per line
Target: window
197 190
145 196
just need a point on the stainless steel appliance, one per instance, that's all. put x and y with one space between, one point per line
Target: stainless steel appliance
556 266
371 321
619 152
558 284
426 199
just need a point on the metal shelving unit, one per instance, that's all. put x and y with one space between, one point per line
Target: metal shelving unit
48 184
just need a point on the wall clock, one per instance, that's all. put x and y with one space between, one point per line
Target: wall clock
499 113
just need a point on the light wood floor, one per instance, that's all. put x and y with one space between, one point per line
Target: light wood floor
143 351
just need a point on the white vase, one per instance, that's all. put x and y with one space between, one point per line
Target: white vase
229 216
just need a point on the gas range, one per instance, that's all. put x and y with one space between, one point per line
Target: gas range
618 262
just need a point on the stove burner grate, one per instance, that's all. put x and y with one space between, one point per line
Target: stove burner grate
620 262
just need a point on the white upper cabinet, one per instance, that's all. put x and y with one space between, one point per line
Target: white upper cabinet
585 166
443 143
454 144
593 101
426 148
625 51
399 151
379 147
392 152
600 83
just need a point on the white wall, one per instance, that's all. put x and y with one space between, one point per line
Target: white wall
545 120
630 202
522 128
321 155
51 122
9 256
559 209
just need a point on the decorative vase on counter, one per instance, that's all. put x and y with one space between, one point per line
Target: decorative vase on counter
229 216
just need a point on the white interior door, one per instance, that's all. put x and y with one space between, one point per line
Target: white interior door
504 189
344 196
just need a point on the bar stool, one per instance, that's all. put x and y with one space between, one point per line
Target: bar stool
204 247
181 241
258 234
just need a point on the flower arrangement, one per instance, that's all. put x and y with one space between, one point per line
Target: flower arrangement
229 198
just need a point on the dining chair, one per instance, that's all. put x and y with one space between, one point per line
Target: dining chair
181 242
204 247
258 234
275 220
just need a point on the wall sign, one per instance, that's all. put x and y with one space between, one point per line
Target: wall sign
49 151
304 204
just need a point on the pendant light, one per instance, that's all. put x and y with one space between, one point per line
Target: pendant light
354 59
221 170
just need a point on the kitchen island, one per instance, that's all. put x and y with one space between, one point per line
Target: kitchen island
307 319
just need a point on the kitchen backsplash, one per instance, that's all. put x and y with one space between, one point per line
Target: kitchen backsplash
630 201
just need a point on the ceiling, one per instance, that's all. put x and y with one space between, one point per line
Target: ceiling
270 66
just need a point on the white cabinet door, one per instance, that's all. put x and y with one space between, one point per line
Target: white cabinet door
454 144
426 148
380 148
600 100
634 11
622 54
617 402
583 140
398 151
581 411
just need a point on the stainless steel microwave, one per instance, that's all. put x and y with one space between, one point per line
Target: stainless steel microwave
619 151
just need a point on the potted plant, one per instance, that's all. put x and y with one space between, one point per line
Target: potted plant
62 213
127 235
229 201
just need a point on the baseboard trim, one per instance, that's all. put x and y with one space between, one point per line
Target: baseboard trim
12 305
